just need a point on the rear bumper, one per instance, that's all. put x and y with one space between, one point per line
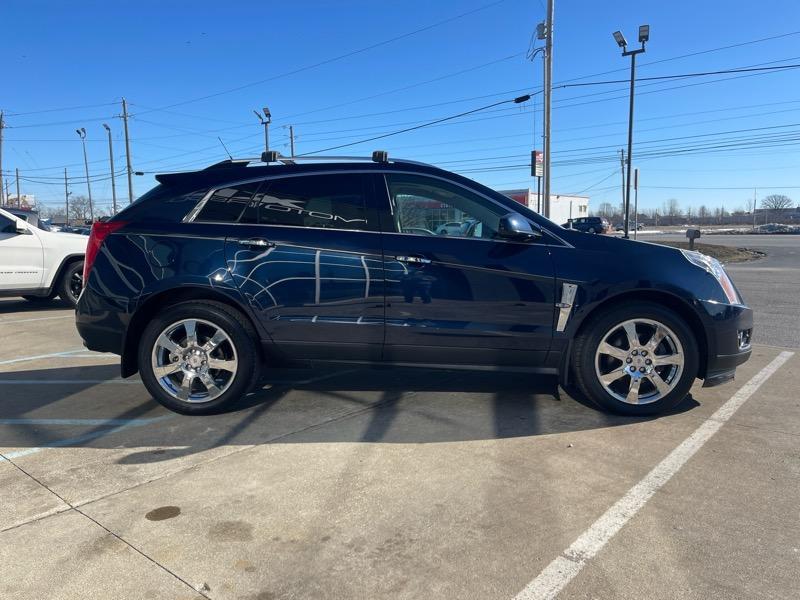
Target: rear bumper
100 324
729 329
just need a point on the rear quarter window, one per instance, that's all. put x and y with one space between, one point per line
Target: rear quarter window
163 203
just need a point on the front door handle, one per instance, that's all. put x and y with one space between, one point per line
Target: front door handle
257 243
416 260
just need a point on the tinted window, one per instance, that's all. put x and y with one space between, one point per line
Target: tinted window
7 225
424 205
337 201
227 204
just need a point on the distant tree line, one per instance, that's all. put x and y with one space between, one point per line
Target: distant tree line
775 208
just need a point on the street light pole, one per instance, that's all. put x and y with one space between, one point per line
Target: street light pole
82 134
644 36
111 160
266 119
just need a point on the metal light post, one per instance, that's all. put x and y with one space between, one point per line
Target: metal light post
82 134
266 119
111 160
644 36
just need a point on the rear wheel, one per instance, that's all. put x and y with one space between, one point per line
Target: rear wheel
71 283
198 356
591 230
638 359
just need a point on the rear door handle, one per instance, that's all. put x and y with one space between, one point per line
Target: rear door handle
257 243
416 260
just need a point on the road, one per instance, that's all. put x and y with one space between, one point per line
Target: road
771 286
398 484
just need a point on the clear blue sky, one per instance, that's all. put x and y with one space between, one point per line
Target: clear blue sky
169 54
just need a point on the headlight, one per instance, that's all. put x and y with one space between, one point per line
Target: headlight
713 266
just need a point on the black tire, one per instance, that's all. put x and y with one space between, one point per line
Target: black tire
242 337
592 334
71 282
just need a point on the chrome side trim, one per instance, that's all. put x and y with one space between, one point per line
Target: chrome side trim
568 291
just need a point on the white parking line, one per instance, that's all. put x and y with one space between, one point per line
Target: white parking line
6 322
78 353
555 577
108 422
126 424
69 381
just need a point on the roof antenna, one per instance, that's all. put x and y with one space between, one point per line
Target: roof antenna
224 146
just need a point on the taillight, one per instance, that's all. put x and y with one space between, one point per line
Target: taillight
100 231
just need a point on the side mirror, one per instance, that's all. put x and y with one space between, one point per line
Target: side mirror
22 229
514 226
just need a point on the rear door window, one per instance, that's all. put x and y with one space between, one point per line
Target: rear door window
336 201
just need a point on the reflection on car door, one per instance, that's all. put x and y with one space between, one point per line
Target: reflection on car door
467 298
307 255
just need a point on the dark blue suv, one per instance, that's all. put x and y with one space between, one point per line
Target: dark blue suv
216 274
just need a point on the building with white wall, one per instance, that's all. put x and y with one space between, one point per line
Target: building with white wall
562 208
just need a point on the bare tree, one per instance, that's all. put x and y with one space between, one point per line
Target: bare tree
702 213
776 202
79 209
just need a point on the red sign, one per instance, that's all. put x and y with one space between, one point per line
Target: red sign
537 163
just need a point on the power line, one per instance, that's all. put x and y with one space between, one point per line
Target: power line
517 100
337 58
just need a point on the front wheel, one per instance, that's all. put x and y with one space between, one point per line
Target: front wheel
591 230
198 356
637 359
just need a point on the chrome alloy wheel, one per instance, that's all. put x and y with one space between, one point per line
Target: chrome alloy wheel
194 360
639 361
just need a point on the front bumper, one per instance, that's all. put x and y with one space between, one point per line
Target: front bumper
729 329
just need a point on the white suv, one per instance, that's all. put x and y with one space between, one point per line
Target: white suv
38 264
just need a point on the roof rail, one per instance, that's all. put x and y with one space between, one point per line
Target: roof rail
273 156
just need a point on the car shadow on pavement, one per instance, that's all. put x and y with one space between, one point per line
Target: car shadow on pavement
90 407
21 306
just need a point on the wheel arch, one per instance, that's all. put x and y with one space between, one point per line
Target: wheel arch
65 262
159 301
682 308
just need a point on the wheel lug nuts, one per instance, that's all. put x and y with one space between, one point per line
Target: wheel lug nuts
648 362
635 353
644 352
629 360
633 369
642 370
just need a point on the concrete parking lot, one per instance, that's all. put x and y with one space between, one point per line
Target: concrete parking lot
399 484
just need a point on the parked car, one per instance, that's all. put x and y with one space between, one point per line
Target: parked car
214 275
588 225
38 264
452 228
418 230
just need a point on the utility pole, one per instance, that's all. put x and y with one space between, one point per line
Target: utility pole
266 119
291 139
548 89
644 36
19 198
111 160
127 150
82 134
66 198
754 208
2 125
635 202
622 171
